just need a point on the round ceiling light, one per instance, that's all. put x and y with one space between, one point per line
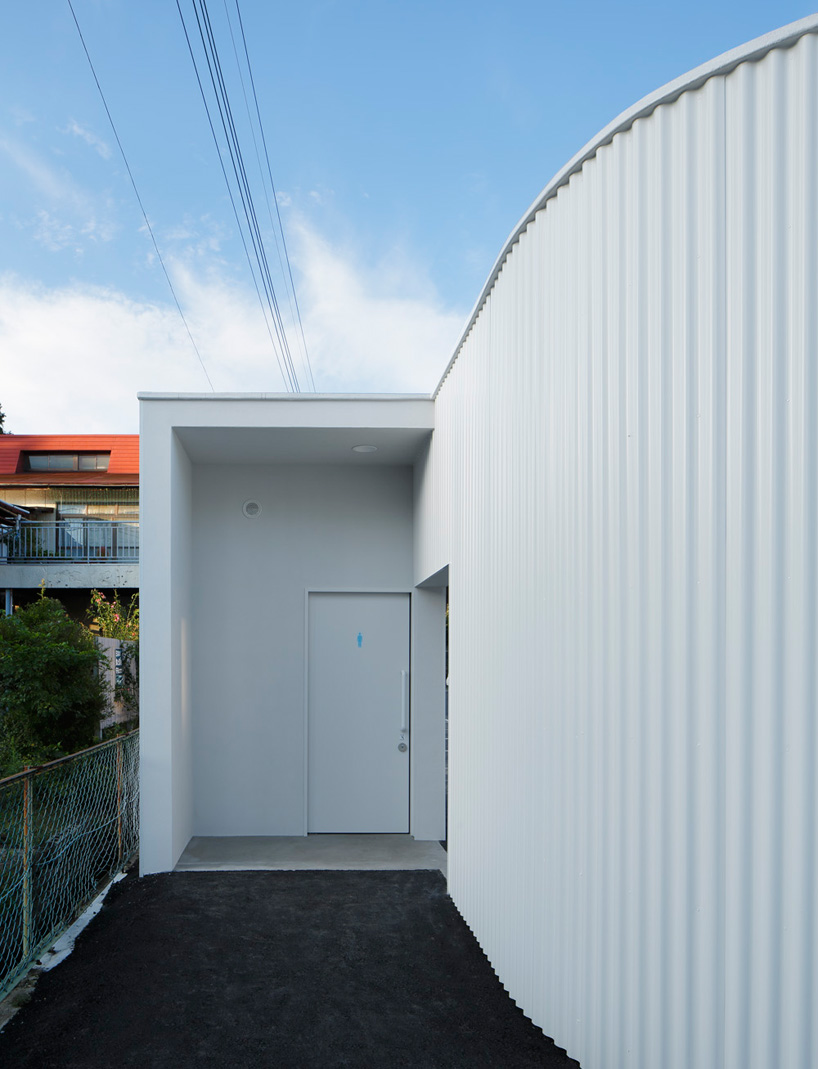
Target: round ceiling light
364 449
251 509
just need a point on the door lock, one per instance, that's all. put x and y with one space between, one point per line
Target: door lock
402 747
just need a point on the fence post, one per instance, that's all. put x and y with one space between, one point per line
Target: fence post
119 796
28 859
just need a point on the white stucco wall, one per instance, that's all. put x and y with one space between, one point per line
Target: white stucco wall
223 602
321 528
165 784
182 621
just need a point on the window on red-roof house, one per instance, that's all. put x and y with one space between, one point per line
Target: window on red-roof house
66 461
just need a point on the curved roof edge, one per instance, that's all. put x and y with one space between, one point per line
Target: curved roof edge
666 94
261 396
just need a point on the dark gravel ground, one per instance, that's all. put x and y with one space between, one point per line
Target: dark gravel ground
284 969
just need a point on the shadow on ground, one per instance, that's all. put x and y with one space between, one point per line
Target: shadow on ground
283 969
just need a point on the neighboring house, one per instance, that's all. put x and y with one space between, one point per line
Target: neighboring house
78 525
617 479
10 515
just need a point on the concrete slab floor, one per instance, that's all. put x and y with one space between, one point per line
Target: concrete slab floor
353 852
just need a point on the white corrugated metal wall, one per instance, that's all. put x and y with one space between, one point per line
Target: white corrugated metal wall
624 482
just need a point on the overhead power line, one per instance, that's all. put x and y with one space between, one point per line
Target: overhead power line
136 192
228 145
272 185
281 364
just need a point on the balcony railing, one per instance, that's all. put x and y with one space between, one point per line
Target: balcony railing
70 541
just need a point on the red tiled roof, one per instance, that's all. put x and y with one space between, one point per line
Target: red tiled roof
68 478
124 450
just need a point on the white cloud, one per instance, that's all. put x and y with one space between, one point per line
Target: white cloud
321 197
48 182
90 138
21 116
194 238
81 216
74 358
53 233
377 327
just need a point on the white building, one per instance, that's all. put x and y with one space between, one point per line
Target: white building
618 480
256 515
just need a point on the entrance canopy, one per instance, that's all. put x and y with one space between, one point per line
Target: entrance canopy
295 428
257 512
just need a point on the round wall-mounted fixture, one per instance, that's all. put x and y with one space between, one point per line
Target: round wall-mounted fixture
251 509
364 449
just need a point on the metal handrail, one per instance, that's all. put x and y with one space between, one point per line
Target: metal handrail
35 770
79 541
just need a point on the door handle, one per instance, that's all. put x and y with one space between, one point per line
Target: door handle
404 700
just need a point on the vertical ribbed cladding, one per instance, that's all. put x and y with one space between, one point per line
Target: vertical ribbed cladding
624 482
771 591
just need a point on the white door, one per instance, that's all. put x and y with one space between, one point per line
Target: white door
358 710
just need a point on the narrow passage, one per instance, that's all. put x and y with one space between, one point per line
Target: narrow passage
286 969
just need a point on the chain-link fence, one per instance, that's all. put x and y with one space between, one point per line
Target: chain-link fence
65 828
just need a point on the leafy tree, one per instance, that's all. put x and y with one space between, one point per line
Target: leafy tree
51 692
2 420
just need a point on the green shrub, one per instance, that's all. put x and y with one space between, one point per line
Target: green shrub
112 618
51 693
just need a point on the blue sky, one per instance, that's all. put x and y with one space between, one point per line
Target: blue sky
406 140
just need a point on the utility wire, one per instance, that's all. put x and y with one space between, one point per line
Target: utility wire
139 199
258 158
228 128
281 366
251 204
272 187
245 193
240 172
242 184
